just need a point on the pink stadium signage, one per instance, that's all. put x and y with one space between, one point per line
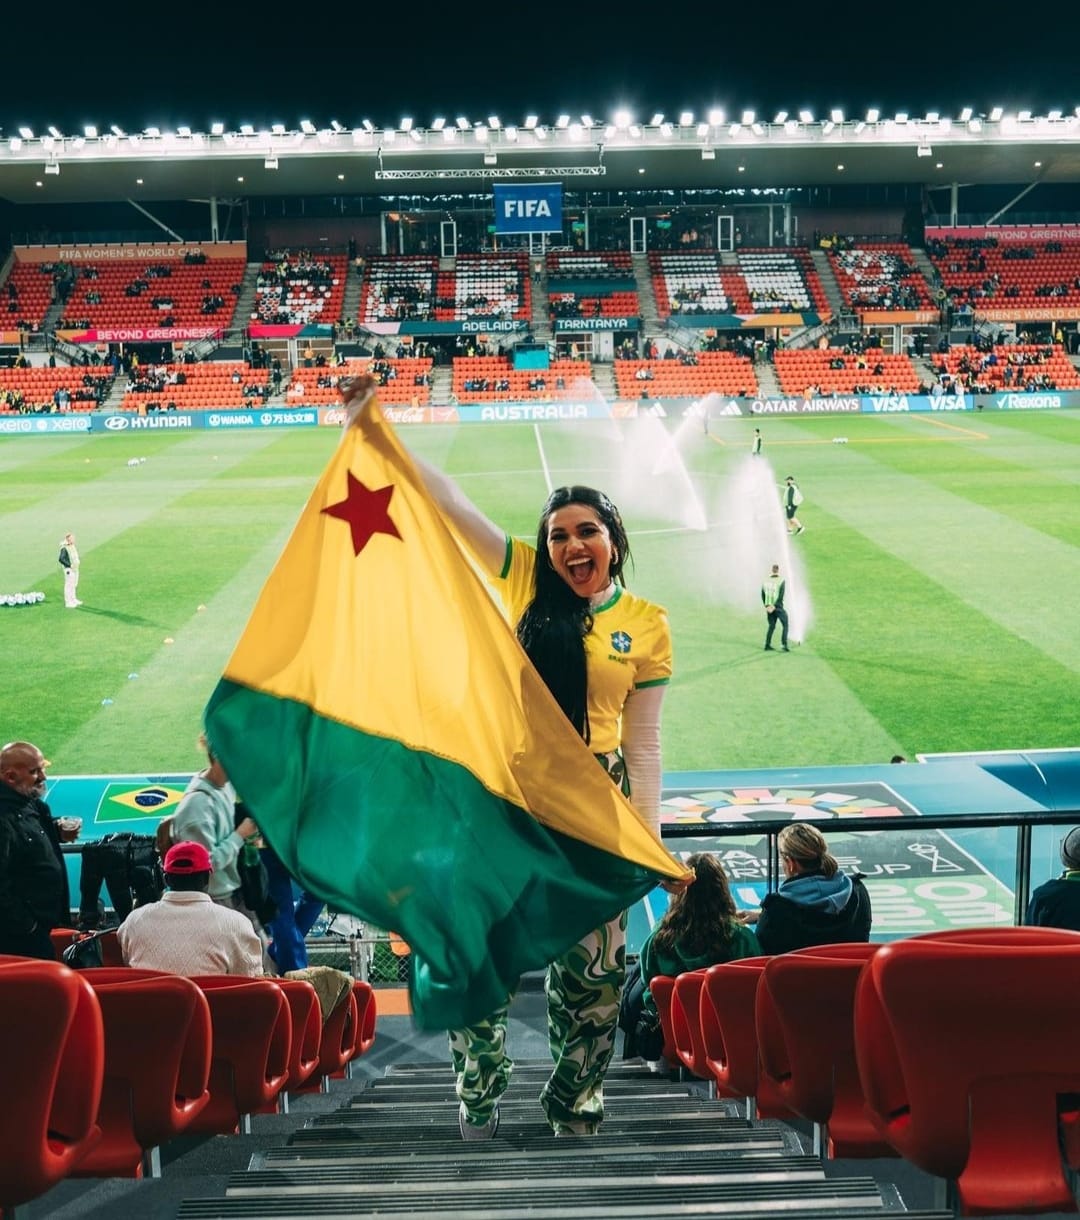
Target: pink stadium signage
1006 232
142 334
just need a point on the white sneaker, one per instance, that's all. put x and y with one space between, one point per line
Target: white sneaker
469 1131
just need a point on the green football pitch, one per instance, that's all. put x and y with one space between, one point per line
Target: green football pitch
936 587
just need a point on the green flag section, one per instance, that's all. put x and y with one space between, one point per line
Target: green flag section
404 758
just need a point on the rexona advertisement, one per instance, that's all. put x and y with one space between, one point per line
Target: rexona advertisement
532 208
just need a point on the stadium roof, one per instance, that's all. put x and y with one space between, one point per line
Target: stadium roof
463 154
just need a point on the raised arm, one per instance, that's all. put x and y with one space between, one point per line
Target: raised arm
480 534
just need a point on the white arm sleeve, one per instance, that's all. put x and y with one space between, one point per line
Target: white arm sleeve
481 535
641 751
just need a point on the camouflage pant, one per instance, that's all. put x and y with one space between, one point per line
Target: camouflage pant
583 988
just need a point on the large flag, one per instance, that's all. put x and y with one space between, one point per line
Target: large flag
404 758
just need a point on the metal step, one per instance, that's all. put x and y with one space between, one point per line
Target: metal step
546 1200
616 1102
444 1140
514 1113
402 1090
457 1175
500 1152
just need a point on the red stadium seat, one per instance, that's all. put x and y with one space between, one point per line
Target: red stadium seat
686 1024
967 1051
157 1067
662 990
729 1031
806 1042
252 1028
50 1021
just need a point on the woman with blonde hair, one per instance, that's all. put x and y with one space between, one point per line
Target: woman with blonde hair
816 903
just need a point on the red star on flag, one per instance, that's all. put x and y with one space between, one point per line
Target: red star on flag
366 511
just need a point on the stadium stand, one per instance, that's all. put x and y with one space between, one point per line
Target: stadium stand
484 286
692 376
781 281
35 389
690 283
586 285
212 385
880 276
483 378
1017 366
400 381
156 294
298 289
988 273
397 288
811 372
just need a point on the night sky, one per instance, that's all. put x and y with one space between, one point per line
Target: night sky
421 60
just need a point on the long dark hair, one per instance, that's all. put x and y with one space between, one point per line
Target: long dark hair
554 625
701 917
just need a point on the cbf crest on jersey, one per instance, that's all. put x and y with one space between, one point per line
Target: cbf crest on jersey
621 641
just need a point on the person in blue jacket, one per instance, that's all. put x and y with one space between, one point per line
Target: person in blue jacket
815 904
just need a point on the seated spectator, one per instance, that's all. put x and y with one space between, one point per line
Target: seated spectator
698 929
816 904
1056 903
186 932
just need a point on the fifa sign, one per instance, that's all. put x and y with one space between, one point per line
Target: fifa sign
535 208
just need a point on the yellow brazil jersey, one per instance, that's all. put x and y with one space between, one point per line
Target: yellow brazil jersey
629 645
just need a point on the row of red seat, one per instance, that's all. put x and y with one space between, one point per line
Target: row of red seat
113 1062
955 1050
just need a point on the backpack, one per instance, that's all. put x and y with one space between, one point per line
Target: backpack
796 497
84 953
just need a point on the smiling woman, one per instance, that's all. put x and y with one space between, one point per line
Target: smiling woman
605 655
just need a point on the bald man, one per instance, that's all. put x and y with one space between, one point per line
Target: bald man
34 895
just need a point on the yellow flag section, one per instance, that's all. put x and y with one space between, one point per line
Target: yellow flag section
402 755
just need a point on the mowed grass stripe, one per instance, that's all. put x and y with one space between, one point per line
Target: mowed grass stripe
142 586
156 718
1013 574
926 662
105 504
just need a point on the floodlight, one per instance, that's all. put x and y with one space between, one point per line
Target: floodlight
748 117
270 163
438 124
995 114
656 119
490 158
26 133
530 121
493 122
873 114
216 129
781 116
586 121
307 127
622 118
90 131
336 125
836 114
806 116
186 132
686 118
562 122
55 134
246 129
463 123
53 167
277 128
368 125
715 116
406 124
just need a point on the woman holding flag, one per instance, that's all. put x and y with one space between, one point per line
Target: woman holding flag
605 655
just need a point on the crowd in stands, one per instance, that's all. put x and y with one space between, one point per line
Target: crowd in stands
988 273
1018 367
880 277
295 289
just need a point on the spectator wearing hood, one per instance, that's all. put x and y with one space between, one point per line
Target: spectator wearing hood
1056 904
815 904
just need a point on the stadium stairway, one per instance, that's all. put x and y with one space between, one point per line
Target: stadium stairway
393 1149
650 316
829 283
245 302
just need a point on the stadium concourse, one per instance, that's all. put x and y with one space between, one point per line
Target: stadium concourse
554 300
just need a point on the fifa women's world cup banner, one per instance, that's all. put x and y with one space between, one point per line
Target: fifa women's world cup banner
133 252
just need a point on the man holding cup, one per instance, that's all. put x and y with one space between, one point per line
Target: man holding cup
34 895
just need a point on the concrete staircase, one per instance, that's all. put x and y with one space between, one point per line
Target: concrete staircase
666 1148
827 276
245 302
539 323
350 306
652 323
